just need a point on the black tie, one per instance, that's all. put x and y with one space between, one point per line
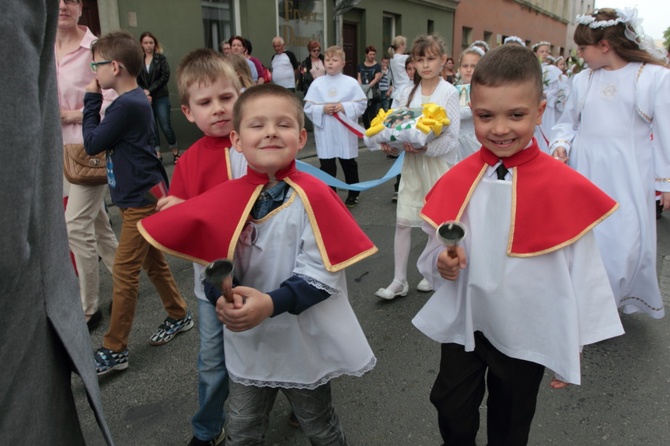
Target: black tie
501 170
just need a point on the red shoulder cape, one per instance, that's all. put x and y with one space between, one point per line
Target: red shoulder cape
204 165
207 227
552 204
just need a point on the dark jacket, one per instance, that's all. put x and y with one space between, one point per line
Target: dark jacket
157 78
304 76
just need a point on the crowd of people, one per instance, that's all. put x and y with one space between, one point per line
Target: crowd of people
516 280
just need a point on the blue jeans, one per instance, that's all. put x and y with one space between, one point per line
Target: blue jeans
161 108
250 408
212 375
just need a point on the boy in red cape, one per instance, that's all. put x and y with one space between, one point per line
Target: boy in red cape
289 324
532 289
208 88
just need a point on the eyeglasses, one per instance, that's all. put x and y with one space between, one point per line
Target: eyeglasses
315 50
69 2
94 65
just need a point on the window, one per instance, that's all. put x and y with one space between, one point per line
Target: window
466 37
217 18
488 38
430 29
388 30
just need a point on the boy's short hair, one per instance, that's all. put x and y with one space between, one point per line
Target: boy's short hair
265 90
508 64
203 66
121 47
334 51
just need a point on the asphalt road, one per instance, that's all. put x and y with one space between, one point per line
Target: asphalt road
624 398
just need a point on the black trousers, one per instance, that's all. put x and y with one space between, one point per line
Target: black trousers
458 391
349 168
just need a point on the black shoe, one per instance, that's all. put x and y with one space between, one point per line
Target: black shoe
293 420
351 202
94 320
195 441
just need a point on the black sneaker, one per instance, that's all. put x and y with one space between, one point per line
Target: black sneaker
94 320
351 202
171 328
107 360
293 420
195 441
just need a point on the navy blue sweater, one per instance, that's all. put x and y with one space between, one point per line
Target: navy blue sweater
126 133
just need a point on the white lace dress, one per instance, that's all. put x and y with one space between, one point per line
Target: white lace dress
294 351
421 171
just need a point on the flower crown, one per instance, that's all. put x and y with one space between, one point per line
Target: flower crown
539 44
514 39
481 43
633 29
475 49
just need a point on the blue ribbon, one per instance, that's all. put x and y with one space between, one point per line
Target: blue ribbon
364 185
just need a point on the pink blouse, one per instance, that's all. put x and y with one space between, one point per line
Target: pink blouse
74 74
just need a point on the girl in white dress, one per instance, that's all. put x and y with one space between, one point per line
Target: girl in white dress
422 167
468 143
609 130
554 92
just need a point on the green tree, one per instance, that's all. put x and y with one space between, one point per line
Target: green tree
666 38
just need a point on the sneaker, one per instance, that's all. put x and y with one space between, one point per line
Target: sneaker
170 328
107 360
351 202
394 197
218 440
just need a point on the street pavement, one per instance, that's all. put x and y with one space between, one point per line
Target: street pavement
624 398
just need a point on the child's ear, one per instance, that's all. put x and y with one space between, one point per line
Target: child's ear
604 45
235 140
302 138
540 111
116 67
187 112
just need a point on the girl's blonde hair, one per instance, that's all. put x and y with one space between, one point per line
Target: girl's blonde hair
398 41
241 67
615 33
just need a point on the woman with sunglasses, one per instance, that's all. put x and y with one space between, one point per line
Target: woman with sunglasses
312 67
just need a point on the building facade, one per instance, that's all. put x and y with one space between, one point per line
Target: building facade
183 25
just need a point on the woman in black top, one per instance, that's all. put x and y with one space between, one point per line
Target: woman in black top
153 80
369 74
312 67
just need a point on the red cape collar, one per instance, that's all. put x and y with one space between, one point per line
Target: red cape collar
208 227
552 205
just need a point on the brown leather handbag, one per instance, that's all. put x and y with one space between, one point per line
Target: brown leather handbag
81 168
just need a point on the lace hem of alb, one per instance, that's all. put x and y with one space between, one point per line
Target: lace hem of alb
318 285
311 386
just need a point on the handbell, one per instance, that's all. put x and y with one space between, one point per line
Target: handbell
220 273
450 234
